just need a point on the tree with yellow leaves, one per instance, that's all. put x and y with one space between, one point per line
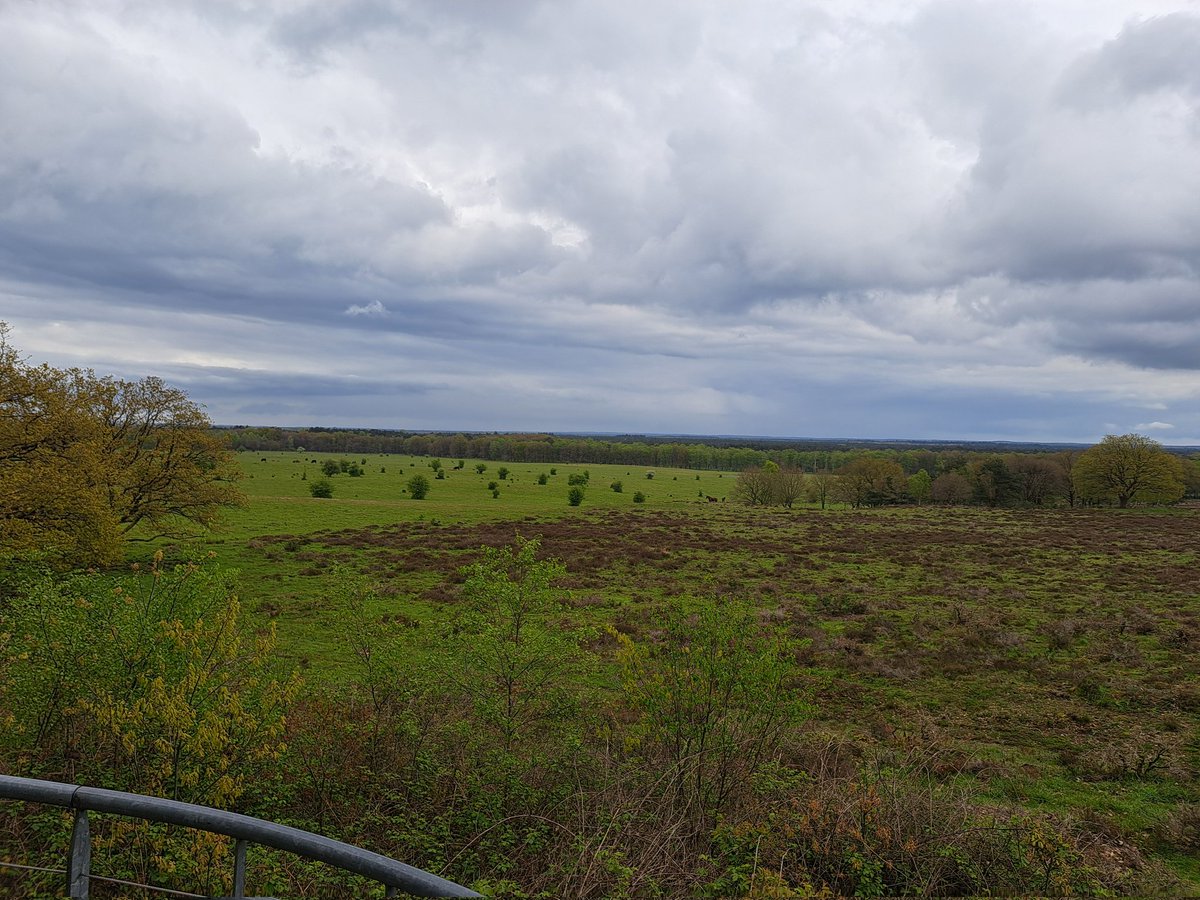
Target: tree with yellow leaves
86 461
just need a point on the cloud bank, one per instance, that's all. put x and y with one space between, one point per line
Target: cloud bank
968 218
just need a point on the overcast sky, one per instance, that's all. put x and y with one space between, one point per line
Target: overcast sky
853 218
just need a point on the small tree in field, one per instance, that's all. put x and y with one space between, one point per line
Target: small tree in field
617 487
502 473
510 657
418 487
480 468
754 487
575 496
712 700
322 488
639 497
920 486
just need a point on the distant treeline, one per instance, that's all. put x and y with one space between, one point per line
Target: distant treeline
807 456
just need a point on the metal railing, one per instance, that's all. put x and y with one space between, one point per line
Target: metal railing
395 876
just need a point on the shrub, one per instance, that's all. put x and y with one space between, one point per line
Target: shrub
578 478
322 488
649 476
441 474
492 485
149 683
502 472
329 467
575 496
542 479
495 493
480 468
639 497
418 487
617 487
554 471
712 700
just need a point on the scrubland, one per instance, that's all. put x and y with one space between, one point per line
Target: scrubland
681 697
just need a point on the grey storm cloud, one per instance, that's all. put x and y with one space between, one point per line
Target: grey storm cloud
687 216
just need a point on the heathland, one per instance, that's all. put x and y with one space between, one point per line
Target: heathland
661 691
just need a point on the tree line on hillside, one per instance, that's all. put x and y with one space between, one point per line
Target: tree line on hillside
1121 470
89 462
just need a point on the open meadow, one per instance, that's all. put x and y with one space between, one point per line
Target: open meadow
1043 659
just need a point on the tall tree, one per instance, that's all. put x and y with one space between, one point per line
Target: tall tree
1129 468
165 469
86 460
871 481
754 487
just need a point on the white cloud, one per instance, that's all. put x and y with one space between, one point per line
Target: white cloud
374 308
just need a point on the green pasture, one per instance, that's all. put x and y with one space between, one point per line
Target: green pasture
277 485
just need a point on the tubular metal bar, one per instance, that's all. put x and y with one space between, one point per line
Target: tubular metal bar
79 857
389 872
239 869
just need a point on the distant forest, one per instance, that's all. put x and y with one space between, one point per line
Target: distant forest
728 454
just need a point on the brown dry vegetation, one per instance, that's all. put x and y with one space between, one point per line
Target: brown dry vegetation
1044 660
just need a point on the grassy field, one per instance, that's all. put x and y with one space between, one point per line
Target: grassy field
1050 657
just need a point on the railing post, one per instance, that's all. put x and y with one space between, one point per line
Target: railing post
79 857
239 869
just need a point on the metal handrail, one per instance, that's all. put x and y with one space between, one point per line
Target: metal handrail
394 875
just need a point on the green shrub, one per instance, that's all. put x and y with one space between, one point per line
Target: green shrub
575 496
617 487
502 472
418 487
639 497
542 479
322 488
578 478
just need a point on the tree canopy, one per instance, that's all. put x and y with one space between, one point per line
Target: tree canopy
1128 468
86 460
